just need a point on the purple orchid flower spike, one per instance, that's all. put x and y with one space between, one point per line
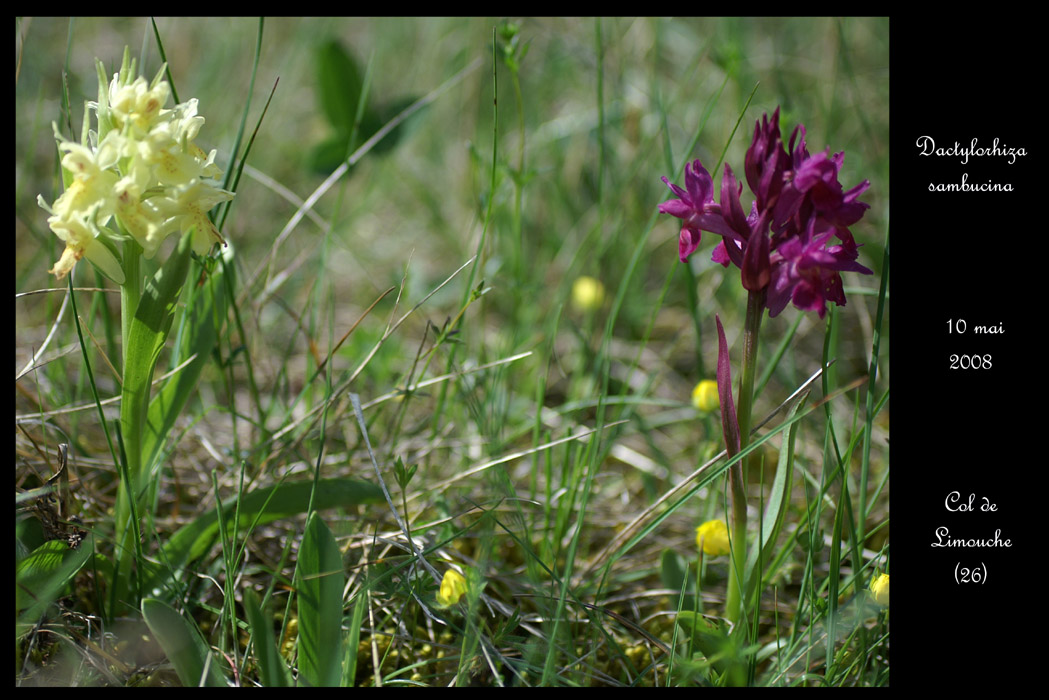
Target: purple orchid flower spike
729 424
785 247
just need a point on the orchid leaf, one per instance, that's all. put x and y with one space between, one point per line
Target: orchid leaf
319 580
183 644
729 424
41 576
272 671
145 341
259 507
197 336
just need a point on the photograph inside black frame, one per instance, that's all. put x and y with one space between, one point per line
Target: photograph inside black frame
456 352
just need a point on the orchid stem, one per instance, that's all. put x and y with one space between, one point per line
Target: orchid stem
737 474
130 293
126 511
755 310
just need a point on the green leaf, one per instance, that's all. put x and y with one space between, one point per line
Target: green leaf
343 95
676 576
183 644
384 114
718 647
149 331
327 155
146 337
319 580
258 507
41 576
272 671
338 85
671 570
349 670
200 325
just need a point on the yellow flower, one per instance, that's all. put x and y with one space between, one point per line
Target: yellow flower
453 586
168 151
91 181
145 170
140 217
705 396
136 103
880 589
587 294
81 241
712 538
186 207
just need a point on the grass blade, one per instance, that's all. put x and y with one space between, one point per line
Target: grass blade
776 509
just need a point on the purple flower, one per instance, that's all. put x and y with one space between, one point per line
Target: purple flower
784 246
814 190
766 162
696 207
747 245
804 269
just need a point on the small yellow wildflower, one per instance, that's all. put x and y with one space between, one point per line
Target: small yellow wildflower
712 538
587 294
705 396
453 586
880 589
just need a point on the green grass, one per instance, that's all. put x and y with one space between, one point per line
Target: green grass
539 432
